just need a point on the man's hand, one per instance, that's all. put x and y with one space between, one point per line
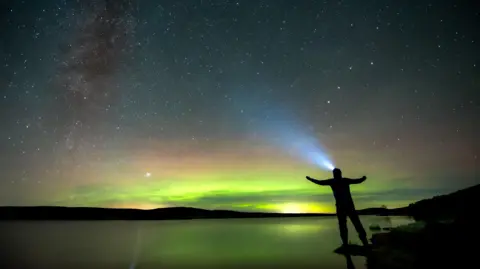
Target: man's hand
364 177
309 178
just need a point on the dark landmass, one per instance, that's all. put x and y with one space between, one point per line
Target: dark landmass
460 203
172 213
449 206
445 235
93 213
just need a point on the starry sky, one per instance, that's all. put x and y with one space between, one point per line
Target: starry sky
150 104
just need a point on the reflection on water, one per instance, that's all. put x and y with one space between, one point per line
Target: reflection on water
349 262
259 243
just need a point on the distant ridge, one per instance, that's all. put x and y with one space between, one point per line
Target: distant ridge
96 213
170 213
446 206
461 203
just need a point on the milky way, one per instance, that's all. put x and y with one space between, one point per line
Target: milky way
102 39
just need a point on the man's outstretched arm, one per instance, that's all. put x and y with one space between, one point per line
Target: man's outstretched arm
319 182
357 180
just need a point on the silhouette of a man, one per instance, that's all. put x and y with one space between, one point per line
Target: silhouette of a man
344 203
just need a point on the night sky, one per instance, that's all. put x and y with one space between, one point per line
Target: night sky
197 103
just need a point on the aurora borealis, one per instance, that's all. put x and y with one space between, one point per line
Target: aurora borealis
188 103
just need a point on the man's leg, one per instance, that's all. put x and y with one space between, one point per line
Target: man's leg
342 225
358 226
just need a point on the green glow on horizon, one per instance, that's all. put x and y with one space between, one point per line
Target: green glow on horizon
240 177
280 191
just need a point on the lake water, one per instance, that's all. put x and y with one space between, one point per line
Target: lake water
229 243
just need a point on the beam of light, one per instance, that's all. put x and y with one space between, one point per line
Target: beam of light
322 161
136 249
308 148
281 128
296 140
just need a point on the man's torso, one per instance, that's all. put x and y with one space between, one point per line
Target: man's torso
341 192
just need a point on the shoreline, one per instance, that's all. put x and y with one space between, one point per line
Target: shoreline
178 213
425 244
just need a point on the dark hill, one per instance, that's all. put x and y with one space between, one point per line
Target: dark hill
462 203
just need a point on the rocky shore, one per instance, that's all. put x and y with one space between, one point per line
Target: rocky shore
426 245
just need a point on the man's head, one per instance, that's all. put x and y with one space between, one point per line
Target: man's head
337 173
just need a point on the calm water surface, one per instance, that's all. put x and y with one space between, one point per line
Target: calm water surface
258 243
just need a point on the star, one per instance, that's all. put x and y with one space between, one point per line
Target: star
226 103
